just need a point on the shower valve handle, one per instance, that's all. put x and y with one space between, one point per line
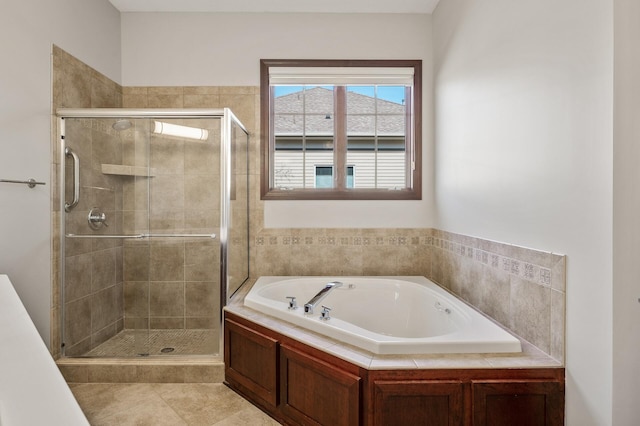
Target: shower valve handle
97 219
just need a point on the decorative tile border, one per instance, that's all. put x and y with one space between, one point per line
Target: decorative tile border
391 240
526 270
531 272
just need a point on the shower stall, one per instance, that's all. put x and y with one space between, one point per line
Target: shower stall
154 231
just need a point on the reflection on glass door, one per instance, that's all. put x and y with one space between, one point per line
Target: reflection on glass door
238 239
153 231
104 194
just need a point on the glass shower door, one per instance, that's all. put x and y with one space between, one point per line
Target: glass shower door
105 185
184 228
154 229
238 226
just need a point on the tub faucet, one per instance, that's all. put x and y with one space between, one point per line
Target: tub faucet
308 307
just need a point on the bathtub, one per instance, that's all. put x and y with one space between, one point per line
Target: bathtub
384 315
32 389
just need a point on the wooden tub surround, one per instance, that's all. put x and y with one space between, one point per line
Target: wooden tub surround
302 378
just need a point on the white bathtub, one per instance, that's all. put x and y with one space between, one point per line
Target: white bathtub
32 390
384 315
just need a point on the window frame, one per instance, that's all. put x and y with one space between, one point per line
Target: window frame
413 148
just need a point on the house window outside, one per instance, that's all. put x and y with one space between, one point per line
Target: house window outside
341 116
324 176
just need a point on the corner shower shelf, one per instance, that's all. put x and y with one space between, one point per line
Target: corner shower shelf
120 170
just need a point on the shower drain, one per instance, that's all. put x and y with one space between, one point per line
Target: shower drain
167 350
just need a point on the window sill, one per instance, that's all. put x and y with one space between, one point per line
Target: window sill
348 194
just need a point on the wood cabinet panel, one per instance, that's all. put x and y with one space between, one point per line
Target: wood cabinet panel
317 393
506 403
301 385
428 402
251 361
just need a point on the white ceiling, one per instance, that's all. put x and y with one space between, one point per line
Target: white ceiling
305 6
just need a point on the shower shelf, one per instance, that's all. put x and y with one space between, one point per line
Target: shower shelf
120 170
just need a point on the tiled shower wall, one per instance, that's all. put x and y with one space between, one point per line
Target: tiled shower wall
94 274
183 275
171 283
521 288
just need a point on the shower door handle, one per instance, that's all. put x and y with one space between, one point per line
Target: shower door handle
76 179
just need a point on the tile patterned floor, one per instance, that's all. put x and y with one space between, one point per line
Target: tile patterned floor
129 343
173 404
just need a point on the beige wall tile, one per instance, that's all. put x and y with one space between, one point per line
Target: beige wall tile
103 335
104 308
205 220
167 155
531 312
201 159
202 298
167 192
209 322
78 276
165 90
103 269
136 294
201 90
558 325
78 320
74 374
201 101
160 373
167 299
111 374
165 101
164 323
136 262
204 373
167 262
201 192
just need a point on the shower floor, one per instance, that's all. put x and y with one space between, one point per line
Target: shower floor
183 342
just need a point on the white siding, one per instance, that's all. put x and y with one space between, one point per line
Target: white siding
289 167
390 165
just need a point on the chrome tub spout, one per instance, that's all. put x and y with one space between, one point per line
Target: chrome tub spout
308 307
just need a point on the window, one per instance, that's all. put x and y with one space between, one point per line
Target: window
322 120
324 177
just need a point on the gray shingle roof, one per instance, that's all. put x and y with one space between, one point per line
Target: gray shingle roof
317 103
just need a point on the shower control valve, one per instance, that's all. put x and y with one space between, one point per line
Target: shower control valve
293 305
97 219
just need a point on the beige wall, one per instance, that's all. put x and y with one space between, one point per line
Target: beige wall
90 30
209 49
626 210
329 237
524 154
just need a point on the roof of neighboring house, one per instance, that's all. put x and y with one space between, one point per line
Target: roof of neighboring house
318 117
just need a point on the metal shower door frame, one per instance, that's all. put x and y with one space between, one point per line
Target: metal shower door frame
228 119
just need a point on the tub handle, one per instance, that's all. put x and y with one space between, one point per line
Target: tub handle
293 305
442 308
324 315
